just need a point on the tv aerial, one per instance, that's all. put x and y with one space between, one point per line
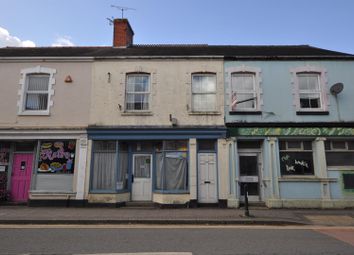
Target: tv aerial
123 9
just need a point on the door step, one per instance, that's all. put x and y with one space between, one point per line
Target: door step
139 204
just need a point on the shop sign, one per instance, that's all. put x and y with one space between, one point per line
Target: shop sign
292 131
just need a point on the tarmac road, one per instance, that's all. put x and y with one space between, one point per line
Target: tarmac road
98 239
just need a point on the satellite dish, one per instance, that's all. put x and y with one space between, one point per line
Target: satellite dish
336 88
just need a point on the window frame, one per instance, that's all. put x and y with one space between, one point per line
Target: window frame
137 74
257 81
203 74
25 74
322 90
332 149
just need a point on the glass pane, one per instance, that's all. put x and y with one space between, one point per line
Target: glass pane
176 145
351 145
310 100
104 167
340 158
206 145
296 163
36 102
248 144
252 188
339 145
307 145
137 102
142 166
348 180
104 146
122 180
203 83
308 81
204 102
245 101
294 145
138 83
38 82
248 165
57 157
242 81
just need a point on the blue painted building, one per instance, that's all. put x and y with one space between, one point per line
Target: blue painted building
289 112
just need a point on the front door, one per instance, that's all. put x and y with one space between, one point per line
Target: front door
141 181
249 175
207 181
21 176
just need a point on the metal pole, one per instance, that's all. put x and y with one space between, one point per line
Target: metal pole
245 189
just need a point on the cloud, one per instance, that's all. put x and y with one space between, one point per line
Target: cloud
8 40
63 41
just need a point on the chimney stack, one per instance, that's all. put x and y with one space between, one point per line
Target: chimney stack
123 33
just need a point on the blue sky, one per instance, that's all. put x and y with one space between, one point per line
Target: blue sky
322 23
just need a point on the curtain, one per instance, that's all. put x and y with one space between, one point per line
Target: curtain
123 171
171 171
103 171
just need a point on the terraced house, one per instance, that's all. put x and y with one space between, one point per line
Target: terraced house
176 125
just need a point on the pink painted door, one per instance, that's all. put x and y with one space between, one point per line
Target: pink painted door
21 176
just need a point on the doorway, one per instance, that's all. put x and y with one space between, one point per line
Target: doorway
207 180
250 175
141 177
21 176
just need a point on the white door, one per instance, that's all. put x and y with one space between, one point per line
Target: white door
141 182
207 181
250 176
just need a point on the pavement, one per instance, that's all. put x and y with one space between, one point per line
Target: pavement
210 216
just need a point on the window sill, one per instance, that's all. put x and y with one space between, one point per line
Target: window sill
312 113
340 168
142 113
245 113
299 178
167 192
34 113
204 113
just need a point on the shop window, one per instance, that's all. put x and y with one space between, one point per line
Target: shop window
36 91
137 96
172 167
108 174
56 157
296 157
339 153
203 92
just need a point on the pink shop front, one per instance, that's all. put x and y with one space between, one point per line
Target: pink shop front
39 172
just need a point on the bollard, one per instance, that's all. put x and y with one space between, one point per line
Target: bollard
245 189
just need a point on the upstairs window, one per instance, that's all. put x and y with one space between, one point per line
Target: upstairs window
36 91
36 95
203 92
309 90
137 92
244 95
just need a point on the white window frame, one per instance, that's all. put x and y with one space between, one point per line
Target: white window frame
322 91
256 85
25 73
193 110
147 92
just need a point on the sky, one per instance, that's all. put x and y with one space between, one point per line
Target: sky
325 24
